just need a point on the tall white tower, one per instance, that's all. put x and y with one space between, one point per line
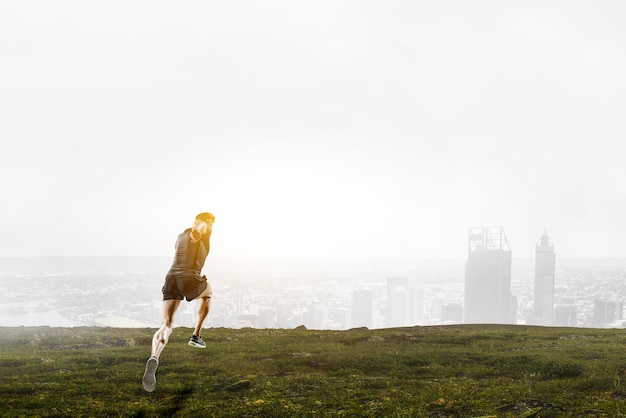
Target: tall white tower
545 262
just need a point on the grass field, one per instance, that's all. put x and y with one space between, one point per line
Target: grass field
447 371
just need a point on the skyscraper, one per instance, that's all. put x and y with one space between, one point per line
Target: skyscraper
565 316
488 296
606 312
362 308
544 282
397 306
416 306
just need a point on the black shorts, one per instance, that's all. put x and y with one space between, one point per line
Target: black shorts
183 287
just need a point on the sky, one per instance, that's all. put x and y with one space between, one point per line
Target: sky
311 129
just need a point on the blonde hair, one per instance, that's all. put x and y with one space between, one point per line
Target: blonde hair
208 217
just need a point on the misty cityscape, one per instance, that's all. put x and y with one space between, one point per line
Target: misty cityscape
489 286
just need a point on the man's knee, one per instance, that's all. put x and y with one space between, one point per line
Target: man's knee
206 294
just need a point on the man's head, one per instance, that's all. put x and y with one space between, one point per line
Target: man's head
206 217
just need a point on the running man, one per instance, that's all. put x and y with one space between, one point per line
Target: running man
183 281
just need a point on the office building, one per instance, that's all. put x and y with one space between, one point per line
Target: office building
267 317
397 301
416 306
488 297
565 316
362 308
398 308
545 261
452 313
606 312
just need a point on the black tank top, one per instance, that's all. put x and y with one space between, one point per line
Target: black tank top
189 256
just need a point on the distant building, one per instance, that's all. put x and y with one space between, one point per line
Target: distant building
416 306
434 316
246 320
362 308
488 296
267 317
544 283
452 313
565 316
284 313
398 308
339 318
397 301
241 302
316 316
607 312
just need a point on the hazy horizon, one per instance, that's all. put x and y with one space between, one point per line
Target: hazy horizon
126 290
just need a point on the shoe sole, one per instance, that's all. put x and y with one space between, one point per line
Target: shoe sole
149 377
192 344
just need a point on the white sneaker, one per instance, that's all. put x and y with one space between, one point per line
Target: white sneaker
149 376
196 342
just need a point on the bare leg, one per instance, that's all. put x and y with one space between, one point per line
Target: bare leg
203 309
159 341
162 336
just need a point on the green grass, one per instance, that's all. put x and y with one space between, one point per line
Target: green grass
448 371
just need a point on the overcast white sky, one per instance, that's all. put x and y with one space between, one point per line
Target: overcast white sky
326 128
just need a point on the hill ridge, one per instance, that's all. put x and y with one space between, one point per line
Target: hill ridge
444 370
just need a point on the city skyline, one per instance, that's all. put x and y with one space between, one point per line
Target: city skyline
332 295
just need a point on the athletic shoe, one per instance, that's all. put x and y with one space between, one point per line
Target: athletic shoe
149 376
196 342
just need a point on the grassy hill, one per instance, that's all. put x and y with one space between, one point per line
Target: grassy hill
447 371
